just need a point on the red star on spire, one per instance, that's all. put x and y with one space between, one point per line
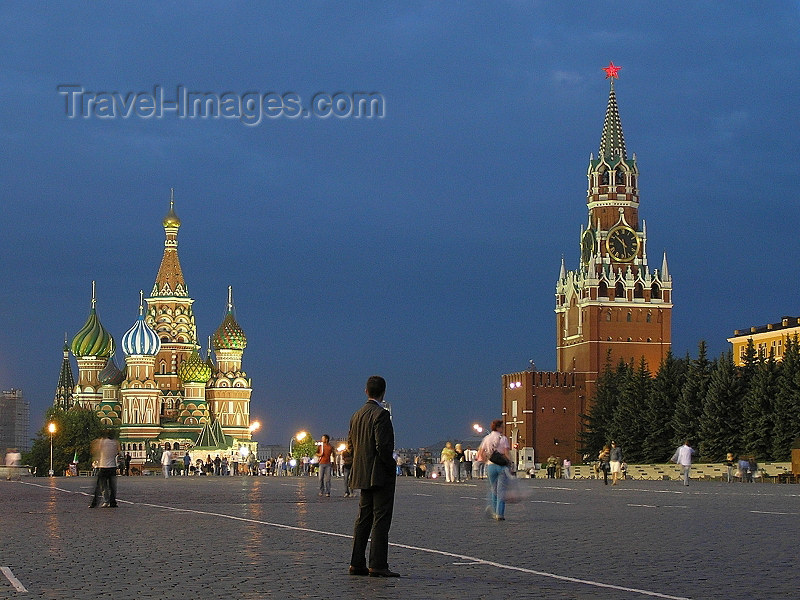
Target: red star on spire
612 71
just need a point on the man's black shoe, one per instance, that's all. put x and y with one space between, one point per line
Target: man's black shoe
382 573
359 571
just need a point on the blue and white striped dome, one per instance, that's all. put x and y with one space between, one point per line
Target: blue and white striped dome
141 339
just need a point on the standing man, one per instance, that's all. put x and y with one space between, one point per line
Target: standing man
166 462
324 452
374 472
683 457
104 453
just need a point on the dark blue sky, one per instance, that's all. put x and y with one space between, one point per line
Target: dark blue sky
424 245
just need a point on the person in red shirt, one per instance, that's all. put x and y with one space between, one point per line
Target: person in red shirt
324 454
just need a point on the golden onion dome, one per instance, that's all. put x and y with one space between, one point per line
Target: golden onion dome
194 370
171 220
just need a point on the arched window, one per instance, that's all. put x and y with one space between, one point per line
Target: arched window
604 176
619 290
649 317
628 317
608 315
620 177
603 290
638 291
655 292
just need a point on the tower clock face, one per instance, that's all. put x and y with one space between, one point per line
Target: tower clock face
622 243
587 246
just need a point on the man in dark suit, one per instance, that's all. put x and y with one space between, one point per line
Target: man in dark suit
371 440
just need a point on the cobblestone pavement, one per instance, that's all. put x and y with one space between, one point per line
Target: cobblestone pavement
274 537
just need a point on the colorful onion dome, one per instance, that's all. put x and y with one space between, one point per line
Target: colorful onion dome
171 220
92 339
194 370
229 336
141 339
110 374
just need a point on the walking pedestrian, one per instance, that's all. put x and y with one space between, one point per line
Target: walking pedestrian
460 461
615 461
166 462
603 459
730 465
683 457
104 453
347 465
493 451
323 455
371 438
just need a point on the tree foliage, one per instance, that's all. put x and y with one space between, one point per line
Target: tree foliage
75 430
752 409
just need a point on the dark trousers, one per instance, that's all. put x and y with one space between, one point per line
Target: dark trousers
375 507
106 484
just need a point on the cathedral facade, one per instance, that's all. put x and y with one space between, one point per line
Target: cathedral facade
613 307
165 396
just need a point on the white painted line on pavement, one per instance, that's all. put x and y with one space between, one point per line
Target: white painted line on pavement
426 495
769 512
14 581
462 557
550 502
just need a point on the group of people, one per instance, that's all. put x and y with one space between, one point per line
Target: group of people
744 468
457 463
609 460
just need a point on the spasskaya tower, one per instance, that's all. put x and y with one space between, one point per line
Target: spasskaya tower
613 302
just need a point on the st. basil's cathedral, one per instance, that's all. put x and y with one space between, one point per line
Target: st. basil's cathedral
165 396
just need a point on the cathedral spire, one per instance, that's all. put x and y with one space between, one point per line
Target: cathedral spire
169 281
612 142
66 382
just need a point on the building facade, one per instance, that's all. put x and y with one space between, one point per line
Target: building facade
613 307
767 339
14 421
165 396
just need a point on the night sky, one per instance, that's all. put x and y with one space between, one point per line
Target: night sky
424 245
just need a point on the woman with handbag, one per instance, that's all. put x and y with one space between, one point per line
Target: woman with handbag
494 452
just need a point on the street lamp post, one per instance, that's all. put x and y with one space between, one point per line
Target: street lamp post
51 427
299 436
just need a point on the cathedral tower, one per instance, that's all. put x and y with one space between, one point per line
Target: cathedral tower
613 302
169 313
91 346
229 389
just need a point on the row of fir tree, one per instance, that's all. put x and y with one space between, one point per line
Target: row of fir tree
718 407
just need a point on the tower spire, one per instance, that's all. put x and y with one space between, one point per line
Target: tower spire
170 281
612 142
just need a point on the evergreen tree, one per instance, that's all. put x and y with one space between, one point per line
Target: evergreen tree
721 419
689 405
628 429
659 438
787 403
758 419
598 422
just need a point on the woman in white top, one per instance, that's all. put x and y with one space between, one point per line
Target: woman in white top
497 473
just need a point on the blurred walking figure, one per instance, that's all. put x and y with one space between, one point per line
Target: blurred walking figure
448 461
683 457
166 462
494 452
104 453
